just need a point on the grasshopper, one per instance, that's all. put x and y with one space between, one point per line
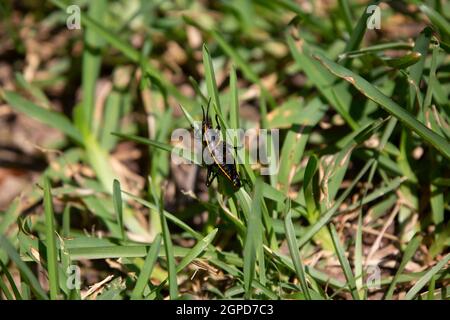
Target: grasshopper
219 152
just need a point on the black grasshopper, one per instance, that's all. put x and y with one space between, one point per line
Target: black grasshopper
219 153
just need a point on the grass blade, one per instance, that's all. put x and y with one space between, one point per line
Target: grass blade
253 239
234 98
146 270
170 258
436 18
403 61
416 71
243 65
193 253
5 289
340 252
192 122
327 216
358 262
26 273
50 118
336 96
184 153
197 250
210 77
91 61
387 104
426 277
294 251
128 51
346 14
118 206
50 241
100 161
407 256
359 31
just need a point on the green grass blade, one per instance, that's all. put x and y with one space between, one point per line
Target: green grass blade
66 221
346 15
243 65
26 273
197 90
358 261
153 143
128 51
234 98
313 21
325 83
294 251
377 48
387 104
210 78
291 155
358 255
50 241
436 18
37 94
168 215
308 185
197 250
191 120
193 253
50 118
426 277
111 118
91 61
118 206
416 71
431 287
10 215
327 216
403 61
146 270
237 59
340 252
8 275
184 153
359 31
407 256
100 161
432 80
253 239
5 290
170 258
